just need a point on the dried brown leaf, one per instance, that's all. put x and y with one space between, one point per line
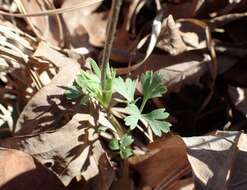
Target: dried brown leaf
47 108
165 163
170 39
69 151
87 25
50 28
20 171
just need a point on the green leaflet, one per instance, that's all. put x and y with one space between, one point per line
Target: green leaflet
114 144
134 116
152 86
90 84
126 153
122 146
72 93
155 119
126 89
94 66
126 140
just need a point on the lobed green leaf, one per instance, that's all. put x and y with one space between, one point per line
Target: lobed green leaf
155 119
152 85
134 116
126 89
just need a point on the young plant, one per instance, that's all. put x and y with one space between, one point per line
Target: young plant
89 84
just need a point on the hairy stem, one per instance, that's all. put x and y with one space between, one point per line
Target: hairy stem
111 30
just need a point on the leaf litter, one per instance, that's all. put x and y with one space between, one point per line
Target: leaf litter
206 91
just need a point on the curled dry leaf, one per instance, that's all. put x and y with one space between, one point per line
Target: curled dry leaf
238 97
170 38
20 171
218 161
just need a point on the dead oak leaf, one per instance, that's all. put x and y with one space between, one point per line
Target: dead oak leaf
69 151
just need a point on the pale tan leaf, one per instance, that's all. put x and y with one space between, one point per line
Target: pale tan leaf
218 161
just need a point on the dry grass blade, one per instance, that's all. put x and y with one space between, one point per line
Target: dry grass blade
54 11
167 181
15 48
214 66
156 29
224 19
23 7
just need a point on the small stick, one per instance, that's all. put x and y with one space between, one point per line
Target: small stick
111 30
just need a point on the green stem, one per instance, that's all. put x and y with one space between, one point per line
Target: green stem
144 101
116 124
111 30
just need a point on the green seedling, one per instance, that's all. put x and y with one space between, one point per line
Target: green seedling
123 146
89 84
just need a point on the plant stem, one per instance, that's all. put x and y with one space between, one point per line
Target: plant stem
111 30
116 124
144 101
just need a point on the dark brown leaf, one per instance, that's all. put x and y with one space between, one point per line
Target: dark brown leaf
165 163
